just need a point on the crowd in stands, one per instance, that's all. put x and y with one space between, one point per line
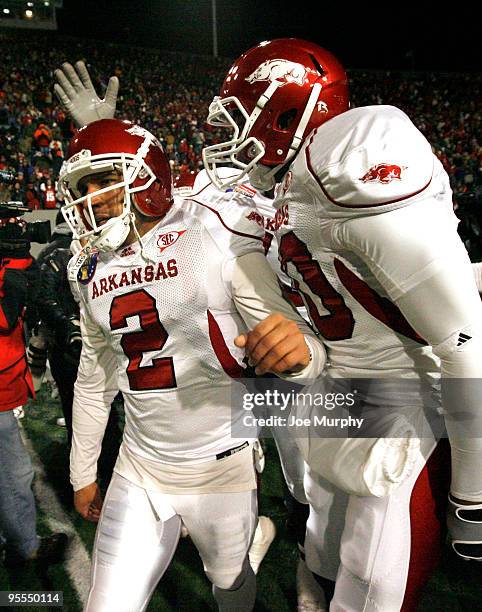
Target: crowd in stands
170 93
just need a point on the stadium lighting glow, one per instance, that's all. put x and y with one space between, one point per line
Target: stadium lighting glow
6 11
28 14
29 3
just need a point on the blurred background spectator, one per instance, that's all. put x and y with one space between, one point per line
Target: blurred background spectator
169 94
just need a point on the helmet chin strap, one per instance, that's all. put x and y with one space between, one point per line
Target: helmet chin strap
263 177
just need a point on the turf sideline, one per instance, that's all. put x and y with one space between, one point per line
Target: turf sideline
77 561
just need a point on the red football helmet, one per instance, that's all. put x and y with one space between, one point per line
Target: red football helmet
273 96
145 176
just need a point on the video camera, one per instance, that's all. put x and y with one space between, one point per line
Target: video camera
16 234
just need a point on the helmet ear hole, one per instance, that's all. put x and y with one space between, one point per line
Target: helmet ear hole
285 119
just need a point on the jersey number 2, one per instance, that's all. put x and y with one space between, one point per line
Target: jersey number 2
152 337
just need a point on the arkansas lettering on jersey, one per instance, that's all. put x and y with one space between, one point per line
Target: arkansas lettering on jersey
360 180
142 275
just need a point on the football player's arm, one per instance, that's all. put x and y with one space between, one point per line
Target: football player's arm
279 340
455 333
419 259
94 391
77 96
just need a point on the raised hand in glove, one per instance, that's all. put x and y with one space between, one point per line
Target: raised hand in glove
78 97
464 521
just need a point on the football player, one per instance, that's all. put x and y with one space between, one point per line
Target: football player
78 97
169 308
367 232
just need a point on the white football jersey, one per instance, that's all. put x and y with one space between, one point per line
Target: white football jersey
168 324
159 324
364 217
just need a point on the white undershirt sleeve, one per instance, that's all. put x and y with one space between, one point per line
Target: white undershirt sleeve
94 391
418 258
446 310
256 294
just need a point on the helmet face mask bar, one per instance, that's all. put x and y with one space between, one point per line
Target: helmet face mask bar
104 149
79 210
230 152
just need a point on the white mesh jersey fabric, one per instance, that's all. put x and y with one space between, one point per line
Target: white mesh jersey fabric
184 413
257 206
315 234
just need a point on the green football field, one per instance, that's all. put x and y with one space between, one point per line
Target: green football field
456 586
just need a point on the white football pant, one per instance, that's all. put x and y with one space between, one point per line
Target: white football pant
364 543
133 546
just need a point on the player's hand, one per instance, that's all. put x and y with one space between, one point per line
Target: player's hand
88 502
78 97
275 345
464 521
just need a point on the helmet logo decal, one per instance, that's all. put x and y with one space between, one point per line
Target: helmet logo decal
137 130
383 173
282 72
166 240
84 154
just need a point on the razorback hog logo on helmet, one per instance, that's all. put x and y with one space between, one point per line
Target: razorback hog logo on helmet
282 71
383 173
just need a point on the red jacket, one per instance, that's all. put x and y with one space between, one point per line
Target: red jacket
15 379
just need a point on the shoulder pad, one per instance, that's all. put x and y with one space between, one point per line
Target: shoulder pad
230 223
369 157
203 181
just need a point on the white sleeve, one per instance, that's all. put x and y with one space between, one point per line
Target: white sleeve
446 310
256 294
94 391
477 270
420 261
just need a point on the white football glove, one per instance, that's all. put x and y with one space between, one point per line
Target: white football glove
464 522
78 97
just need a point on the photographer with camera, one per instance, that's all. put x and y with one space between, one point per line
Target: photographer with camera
19 284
